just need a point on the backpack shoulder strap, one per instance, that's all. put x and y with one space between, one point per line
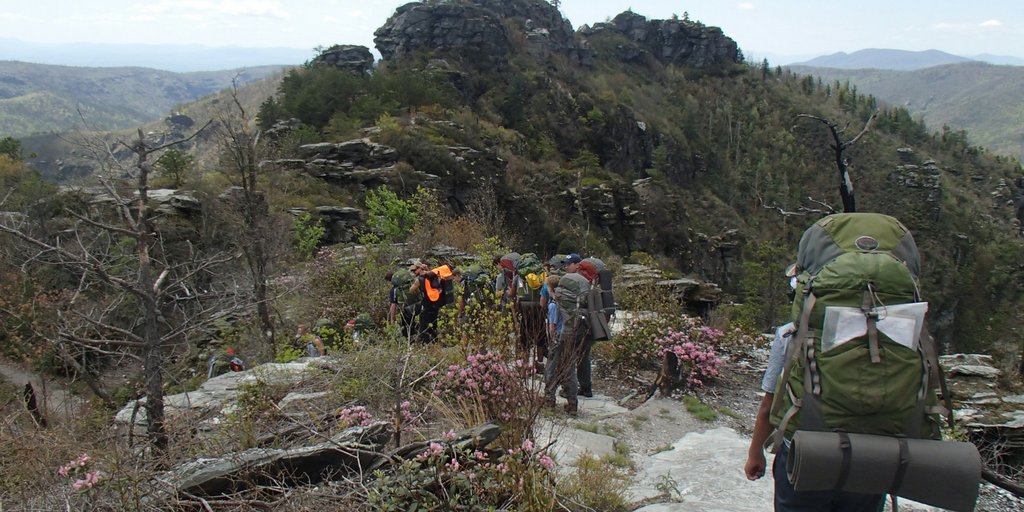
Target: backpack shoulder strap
936 377
797 347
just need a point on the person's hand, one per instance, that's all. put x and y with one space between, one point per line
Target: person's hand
754 468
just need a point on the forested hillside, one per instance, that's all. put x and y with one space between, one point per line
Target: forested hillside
624 151
979 101
40 98
646 137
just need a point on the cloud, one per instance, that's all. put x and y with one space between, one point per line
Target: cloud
746 6
966 27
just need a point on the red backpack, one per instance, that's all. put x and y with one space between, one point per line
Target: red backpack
588 270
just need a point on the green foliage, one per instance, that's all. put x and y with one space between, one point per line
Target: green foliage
25 191
619 457
344 288
764 286
10 148
585 161
339 102
974 95
350 388
288 353
256 402
307 234
595 485
388 216
176 166
699 409
301 135
633 349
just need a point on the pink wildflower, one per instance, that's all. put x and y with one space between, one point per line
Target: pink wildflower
528 445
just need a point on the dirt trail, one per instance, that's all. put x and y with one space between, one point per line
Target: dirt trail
57 402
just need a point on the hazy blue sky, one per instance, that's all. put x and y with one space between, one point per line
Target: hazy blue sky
761 27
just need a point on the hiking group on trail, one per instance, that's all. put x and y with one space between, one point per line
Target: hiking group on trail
853 392
559 308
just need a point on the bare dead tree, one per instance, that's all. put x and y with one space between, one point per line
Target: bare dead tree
842 162
136 295
242 154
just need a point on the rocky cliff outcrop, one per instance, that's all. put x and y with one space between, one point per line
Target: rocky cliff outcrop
679 42
480 33
356 59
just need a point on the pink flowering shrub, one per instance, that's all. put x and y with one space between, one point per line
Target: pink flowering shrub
693 350
80 471
484 384
463 479
634 348
355 415
408 418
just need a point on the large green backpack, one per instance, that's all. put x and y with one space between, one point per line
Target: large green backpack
860 360
478 283
530 277
571 294
402 279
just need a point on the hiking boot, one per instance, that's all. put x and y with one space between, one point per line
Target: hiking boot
585 392
572 408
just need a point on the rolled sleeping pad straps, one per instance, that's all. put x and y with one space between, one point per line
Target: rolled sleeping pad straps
943 474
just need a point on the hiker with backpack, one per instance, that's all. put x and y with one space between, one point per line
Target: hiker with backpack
404 306
568 294
224 362
525 286
309 342
429 287
505 269
850 388
598 277
476 284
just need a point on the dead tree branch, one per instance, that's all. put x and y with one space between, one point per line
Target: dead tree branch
842 162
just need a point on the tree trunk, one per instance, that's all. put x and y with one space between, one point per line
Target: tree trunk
149 288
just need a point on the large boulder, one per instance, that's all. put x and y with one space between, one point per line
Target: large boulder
352 58
480 33
677 41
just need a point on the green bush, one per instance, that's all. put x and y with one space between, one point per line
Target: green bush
595 485
388 216
307 234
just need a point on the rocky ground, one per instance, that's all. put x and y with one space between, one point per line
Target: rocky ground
685 463
678 460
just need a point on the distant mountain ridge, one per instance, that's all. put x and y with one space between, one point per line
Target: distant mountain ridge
181 58
40 98
875 58
982 98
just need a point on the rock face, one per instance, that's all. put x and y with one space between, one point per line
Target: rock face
353 58
697 297
478 32
679 42
354 162
339 222
993 417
